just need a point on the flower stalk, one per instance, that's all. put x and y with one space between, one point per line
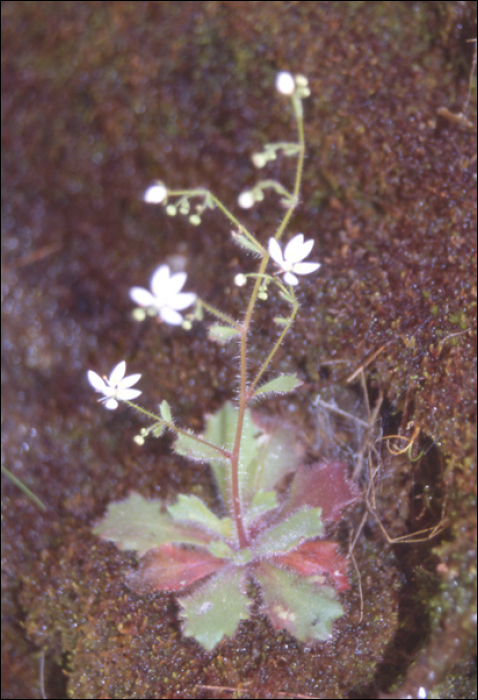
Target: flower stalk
245 390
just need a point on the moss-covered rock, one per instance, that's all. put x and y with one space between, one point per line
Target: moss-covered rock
98 100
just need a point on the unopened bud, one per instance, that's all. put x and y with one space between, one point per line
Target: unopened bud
246 200
240 280
155 193
285 83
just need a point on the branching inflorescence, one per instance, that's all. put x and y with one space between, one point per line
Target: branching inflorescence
267 536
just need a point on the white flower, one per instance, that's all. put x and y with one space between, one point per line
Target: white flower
285 83
155 193
165 297
116 387
290 262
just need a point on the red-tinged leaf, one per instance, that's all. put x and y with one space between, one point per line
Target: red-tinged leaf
316 559
325 485
170 568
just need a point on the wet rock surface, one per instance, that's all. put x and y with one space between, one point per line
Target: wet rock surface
100 98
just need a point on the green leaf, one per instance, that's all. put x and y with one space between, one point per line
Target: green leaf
208 201
262 502
158 429
287 297
139 524
247 243
277 456
187 445
215 609
222 550
193 509
281 384
165 411
221 334
304 524
296 604
264 457
221 431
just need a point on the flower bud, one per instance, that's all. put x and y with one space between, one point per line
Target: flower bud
245 200
285 83
258 160
240 280
155 193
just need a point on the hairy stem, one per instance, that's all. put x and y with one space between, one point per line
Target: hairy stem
244 393
273 351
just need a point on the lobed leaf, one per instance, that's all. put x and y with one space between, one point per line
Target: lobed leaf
314 559
221 549
170 568
262 502
214 610
139 524
264 457
325 485
193 509
289 533
294 603
278 456
221 431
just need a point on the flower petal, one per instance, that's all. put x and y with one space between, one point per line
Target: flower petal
111 404
117 373
130 380
182 301
160 281
275 252
289 278
170 316
97 382
127 394
176 283
304 252
306 268
293 250
141 296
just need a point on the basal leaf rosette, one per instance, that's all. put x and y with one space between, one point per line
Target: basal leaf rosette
187 549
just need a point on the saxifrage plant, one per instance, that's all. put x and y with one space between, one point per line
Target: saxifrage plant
271 528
